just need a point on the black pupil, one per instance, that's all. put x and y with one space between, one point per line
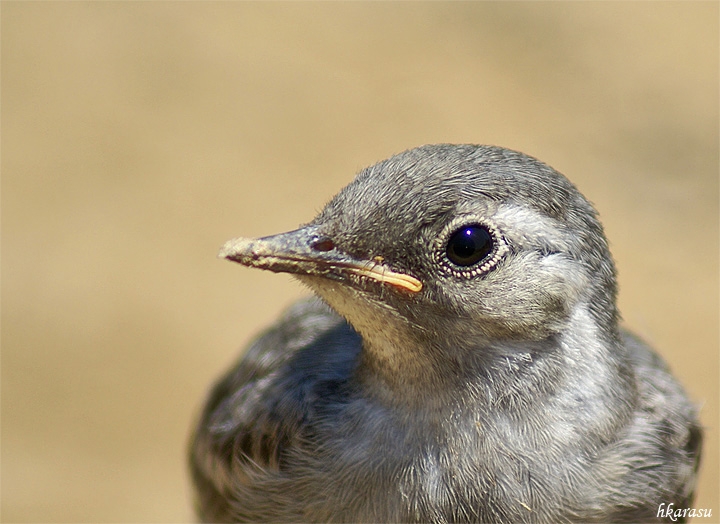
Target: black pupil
469 245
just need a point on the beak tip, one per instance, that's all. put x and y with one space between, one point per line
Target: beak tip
235 249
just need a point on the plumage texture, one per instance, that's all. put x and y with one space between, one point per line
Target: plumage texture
500 392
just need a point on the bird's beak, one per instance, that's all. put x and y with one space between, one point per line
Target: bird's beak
305 252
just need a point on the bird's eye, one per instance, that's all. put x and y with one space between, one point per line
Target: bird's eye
469 245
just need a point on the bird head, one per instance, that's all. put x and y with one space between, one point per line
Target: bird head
451 246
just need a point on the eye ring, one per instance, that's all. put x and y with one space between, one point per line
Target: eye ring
477 247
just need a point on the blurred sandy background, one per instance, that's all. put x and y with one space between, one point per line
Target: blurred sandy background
138 137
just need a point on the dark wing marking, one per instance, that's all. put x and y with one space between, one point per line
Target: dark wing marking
679 434
258 411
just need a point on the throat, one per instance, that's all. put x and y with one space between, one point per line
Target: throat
394 361
402 363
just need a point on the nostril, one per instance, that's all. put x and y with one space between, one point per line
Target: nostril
322 244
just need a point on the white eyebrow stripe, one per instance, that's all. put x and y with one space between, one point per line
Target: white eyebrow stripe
526 226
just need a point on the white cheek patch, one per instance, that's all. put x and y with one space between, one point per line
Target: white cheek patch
575 279
528 228
524 226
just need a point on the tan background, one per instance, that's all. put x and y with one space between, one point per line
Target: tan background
137 137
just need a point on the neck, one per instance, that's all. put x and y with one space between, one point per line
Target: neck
406 364
581 367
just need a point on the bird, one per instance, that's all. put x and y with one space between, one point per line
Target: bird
462 360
